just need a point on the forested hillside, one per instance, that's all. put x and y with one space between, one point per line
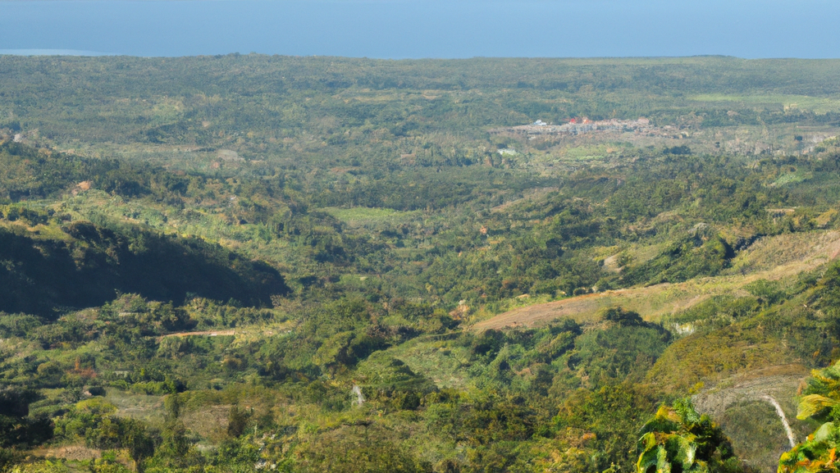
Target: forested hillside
244 263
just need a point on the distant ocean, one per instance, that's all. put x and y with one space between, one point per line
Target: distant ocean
50 52
424 28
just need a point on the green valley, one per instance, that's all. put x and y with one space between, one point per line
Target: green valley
245 263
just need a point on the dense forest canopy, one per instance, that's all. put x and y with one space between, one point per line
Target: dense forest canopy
244 262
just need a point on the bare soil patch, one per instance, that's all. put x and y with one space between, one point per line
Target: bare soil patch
207 333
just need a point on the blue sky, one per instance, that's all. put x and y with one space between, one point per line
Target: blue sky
427 28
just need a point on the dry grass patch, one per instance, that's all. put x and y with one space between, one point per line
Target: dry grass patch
772 259
791 252
137 406
209 422
69 452
208 333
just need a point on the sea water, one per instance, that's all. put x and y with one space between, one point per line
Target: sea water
424 28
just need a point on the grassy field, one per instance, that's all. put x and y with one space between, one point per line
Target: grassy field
801 102
362 216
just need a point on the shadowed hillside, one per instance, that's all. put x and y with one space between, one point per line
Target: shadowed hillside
91 265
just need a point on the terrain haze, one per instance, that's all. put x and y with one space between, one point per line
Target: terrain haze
408 236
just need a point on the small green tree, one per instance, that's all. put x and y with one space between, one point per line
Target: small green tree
139 443
237 421
172 403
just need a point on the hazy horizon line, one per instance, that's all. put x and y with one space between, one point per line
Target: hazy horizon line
83 53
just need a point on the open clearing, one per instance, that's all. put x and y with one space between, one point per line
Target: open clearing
803 102
208 333
742 407
361 216
773 259
70 452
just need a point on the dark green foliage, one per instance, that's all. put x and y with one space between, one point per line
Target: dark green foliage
828 292
683 260
15 402
30 174
623 351
236 453
237 421
721 311
678 150
622 318
41 275
614 414
488 344
9 458
681 440
767 292
93 421
17 428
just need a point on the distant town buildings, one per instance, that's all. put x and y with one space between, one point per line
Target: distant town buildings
577 126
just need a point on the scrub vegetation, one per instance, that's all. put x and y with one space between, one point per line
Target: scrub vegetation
243 263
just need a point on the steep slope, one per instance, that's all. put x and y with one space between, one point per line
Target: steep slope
80 264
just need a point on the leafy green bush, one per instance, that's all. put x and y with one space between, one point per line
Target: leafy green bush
680 439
